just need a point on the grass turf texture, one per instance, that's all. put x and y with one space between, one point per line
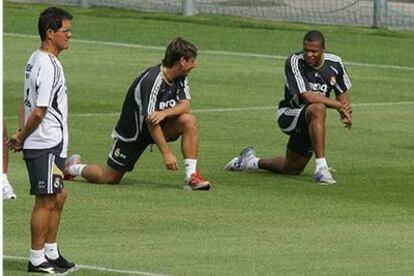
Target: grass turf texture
248 224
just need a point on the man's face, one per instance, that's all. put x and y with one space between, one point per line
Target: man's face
61 37
186 65
313 53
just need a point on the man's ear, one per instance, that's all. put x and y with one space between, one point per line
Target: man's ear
182 60
49 33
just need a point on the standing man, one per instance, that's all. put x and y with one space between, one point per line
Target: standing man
43 136
310 76
156 110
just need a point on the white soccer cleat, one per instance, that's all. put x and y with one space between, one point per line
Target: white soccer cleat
233 165
8 192
324 177
240 163
73 160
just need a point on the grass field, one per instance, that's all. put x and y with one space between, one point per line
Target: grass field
249 223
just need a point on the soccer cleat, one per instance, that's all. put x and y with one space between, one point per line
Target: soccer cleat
45 267
240 163
233 165
197 183
324 177
62 263
73 160
8 192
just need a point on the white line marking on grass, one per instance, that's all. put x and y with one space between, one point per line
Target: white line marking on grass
212 52
230 109
97 268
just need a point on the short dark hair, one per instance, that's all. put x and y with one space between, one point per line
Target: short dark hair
177 49
315 36
51 18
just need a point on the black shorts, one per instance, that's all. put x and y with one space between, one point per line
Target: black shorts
124 155
292 121
45 170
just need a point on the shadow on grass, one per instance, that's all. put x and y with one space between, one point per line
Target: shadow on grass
262 177
128 182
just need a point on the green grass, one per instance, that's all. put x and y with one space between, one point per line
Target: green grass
249 223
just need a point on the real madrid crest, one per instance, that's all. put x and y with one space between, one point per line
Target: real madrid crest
332 82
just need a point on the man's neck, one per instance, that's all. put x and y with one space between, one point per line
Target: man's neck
321 62
48 48
169 74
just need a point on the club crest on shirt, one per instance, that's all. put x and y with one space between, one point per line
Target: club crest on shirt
332 81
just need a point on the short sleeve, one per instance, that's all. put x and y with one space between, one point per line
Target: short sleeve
343 81
47 76
184 89
295 79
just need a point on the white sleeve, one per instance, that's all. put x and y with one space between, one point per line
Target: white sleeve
45 81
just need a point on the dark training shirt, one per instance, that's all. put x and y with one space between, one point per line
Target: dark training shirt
148 93
300 78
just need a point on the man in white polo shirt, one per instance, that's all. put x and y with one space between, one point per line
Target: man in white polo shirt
43 137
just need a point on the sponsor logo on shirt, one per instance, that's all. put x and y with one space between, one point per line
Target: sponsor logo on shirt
29 68
167 104
319 88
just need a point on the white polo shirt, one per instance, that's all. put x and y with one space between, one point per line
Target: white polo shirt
45 86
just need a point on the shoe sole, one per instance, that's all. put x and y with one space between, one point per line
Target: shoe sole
7 197
201 188
325 183
56 271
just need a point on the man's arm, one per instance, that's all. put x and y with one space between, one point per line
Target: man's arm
16 140
341 104
157 135
310 97
346 115
21 116
157 117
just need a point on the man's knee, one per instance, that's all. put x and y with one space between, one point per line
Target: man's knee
316 110
61 199
50 202
112 176
177 126
295 162
187 120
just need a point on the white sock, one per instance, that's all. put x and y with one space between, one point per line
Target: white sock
76 169
320 163
51 250
253 164
37 257
5 180
190 167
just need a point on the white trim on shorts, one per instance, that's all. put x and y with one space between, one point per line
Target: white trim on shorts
293 112
51 163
